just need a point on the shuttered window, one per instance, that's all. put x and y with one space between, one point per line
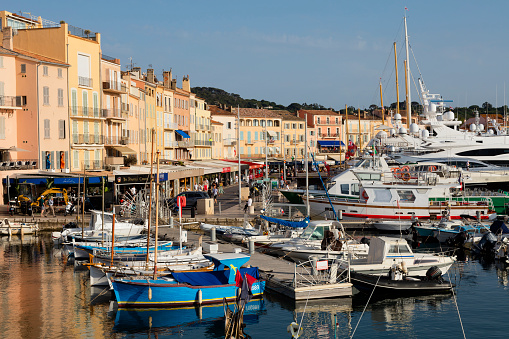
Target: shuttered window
1 62
76 159
45 70
60 97
60 73
74 101
2 128
61 129
46 129
45 93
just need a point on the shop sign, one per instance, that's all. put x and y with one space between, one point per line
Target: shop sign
226 169
138 178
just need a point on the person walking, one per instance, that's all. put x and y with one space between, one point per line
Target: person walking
41 205
221 188
249 203
214 193
51 203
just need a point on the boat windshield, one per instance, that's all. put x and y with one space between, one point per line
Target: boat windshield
399 249
314 233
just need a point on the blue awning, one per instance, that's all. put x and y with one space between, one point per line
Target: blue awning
36 181
330 143
68 180
183 134
94 180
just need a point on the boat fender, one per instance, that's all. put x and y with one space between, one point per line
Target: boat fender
149 293
432 168
404 268
294 329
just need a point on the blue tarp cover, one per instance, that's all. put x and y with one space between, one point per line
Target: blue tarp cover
330 143
295 224
498 227
211 278
183 134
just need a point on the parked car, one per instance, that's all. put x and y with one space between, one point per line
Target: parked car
192 198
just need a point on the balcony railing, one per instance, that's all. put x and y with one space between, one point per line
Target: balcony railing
115 140
110 113
93 164
203 143
8 101
88 139
171 125
186 143
85 112
295 142
229 142
84 81
18 164
249 142
125 108
114 86
171 144
330 135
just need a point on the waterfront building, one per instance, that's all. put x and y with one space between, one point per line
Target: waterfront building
200 126
229 130
217 140
181 115
327 129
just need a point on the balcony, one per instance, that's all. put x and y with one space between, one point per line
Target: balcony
114 140
170 125
112 113
124 140
186 143
249 142
114 161
124 108
18 165
295 142
93 164
87 139
114 87
84 112
8 102
229 142
203 127
329 135
203 143
171 144
84 81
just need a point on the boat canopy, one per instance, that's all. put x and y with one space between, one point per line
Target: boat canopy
230 260
498 227
211 278
294 224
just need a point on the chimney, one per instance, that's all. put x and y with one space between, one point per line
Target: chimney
7 38
150 75
185 84
137 72
174 84
167 79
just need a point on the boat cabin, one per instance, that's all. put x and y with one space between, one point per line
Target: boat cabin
386 250
316 229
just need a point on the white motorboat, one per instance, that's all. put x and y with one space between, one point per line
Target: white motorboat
8 227
392 225
384 252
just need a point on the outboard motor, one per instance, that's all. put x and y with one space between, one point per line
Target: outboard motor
487 244
365 240
434 273
458 240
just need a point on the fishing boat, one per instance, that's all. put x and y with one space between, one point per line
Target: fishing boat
444 235
384 252
189 288
8 227
396 283
138 248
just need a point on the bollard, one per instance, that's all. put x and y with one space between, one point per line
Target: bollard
313 259
171 222
193 212
251 246
340 214
213 234
219 207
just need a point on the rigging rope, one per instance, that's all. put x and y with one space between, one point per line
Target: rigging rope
364 310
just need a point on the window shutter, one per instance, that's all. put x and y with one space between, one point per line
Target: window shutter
52 159
43 160
66 159
2 128
46 129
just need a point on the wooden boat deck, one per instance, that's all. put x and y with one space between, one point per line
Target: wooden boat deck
279 273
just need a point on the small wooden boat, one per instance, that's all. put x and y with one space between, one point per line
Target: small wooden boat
8 227
398 284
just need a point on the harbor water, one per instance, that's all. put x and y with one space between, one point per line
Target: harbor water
42 295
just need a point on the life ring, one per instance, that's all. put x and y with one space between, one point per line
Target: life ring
432 168
395 169
365 195
405 176
405 169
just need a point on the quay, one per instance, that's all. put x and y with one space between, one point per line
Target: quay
281 276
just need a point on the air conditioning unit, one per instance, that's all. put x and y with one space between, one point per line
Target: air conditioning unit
114 167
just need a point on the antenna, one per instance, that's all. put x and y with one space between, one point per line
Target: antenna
150 65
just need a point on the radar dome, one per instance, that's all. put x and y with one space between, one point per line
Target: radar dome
425 133
473 127
381 135
397 116
414 128
449 116
481 127
491 132
402 130
392 131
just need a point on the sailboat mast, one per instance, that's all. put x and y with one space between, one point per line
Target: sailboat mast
307 163
397 78
157 215
150 197
382 103
407 71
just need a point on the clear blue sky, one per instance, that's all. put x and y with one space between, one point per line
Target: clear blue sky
327 52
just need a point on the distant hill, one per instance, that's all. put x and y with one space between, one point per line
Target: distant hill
216 96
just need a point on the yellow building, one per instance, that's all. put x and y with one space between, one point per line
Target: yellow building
200 128
81 49
217 140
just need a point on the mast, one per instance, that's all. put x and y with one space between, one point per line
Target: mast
407 70
347 134
84 200
360 134
406 94
157 217
397 78
382 103
238 154
307 164
150 197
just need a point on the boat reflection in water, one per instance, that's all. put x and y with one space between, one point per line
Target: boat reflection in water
137 320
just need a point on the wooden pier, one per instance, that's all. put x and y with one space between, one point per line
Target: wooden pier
282 276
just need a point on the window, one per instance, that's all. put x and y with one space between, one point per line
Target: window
294 126
74 101
45 94
345 189
45 71
23 100
46 129
328 121
84 70
318 120
241 135
2 128
23 68
1 62
337 121
60 73
61 129
76 159
406 196
256 150
60 97
256 137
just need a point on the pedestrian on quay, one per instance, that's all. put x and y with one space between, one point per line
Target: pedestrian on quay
249 203
221 188
41 205
196 186
214 193
51 203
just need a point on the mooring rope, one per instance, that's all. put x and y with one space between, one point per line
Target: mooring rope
366 306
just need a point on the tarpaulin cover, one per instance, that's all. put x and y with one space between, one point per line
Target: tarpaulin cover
498 227
295 224
211 278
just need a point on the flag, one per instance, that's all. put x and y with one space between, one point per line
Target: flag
245 293
250 280
238 279
398 204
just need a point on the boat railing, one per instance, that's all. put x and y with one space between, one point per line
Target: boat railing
285 211
407 176
319 271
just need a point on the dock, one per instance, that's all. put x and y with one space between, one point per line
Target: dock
294 281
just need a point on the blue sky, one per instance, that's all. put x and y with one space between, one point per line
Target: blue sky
327 52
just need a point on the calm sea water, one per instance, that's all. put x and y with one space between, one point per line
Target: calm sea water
42 295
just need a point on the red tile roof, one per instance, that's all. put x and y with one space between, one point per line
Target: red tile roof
40 57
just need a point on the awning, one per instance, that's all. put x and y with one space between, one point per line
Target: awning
182 133
124 150
335 157
330 143
382 127
271 133
16 149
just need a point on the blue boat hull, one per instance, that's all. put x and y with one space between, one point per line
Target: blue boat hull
424 232
135 293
